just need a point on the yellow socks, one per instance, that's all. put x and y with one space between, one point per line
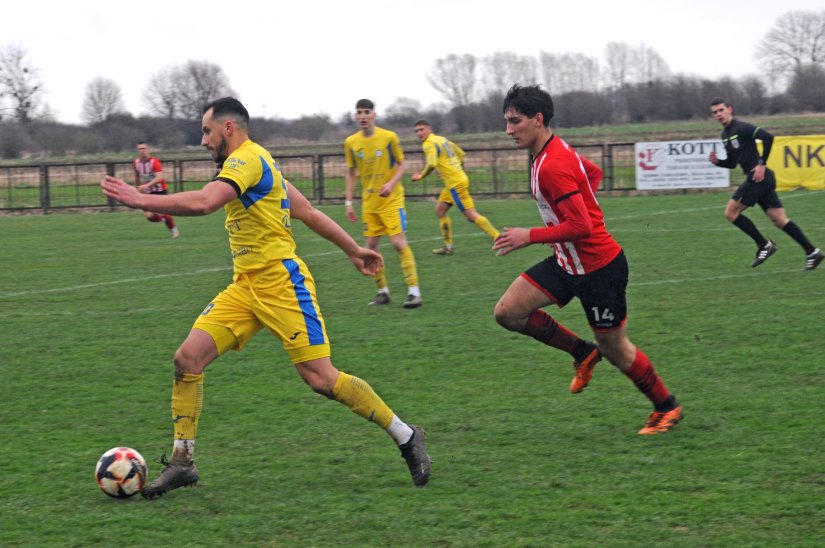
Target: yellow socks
362 400
380 279
187 402
484 224
446 226
408 266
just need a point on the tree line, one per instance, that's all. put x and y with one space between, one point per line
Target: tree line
631 83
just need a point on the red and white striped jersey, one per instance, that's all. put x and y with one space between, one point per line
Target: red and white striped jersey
146 172
556 174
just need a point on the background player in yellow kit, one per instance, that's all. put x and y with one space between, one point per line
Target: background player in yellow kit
271 288
375 154
447 158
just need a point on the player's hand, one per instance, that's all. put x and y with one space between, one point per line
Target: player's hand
367 261
714 159
758 173
120 191
351 214
511 239
386 189
415 176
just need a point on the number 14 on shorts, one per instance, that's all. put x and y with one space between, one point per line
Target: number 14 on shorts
602 315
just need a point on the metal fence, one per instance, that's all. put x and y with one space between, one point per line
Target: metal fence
492 172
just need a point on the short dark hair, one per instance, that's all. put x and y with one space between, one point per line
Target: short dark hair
422 122
529 100
718 101
229 107
365 103
141 143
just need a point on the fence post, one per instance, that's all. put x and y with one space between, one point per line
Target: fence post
45 191
608 168
177 178
110 170
495 172
318 176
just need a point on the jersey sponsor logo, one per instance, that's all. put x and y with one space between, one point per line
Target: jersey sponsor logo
233 227
235 163
208 309
242 251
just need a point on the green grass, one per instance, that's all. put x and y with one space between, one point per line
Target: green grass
94 306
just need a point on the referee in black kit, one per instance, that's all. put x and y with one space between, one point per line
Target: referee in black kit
739 139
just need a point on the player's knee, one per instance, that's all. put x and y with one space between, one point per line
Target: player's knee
153 217
319 384
186 362
505 316
320 378
731 215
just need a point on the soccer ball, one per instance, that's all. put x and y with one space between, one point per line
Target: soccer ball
121 472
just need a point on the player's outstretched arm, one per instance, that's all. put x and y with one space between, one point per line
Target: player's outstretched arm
193 203
366 261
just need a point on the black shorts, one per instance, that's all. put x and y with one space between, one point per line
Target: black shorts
763 193
158 192
602 293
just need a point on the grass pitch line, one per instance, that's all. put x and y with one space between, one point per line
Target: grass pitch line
715 278
720 207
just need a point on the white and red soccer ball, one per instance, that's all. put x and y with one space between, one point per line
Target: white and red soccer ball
121 472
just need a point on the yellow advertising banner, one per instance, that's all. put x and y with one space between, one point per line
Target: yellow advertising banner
798 161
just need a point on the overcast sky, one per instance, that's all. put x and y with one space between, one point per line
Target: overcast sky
299 57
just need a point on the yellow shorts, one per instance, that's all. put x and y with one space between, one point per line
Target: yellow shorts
388 222
458 195
280 298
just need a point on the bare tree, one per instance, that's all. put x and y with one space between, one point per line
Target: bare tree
182 91
619 58
502 69
404 111
160 97
454 77
19 84
103 99
797 39
566 72
200 82
648 65
805 88
627 64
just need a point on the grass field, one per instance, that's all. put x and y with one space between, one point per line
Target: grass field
94 306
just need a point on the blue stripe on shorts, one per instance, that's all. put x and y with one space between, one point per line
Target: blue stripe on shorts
314 330
403 215
457 200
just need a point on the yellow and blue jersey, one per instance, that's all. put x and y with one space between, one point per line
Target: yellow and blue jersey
376 157
258 221
445 157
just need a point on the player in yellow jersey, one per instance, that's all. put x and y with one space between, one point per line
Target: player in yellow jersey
447 159
375 154
271 288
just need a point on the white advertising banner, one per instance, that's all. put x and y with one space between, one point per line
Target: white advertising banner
679 164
